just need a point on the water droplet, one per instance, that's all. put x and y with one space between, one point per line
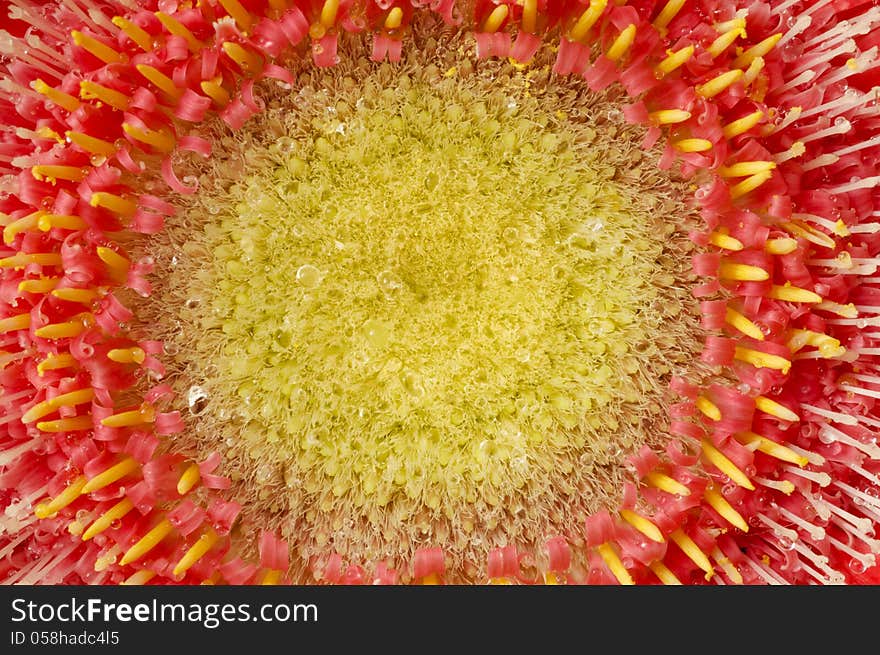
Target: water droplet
857 566
197 400
263 473
97 160
377 333
308 276
389 282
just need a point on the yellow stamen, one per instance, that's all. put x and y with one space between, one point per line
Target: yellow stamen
196 552
761 359
789 293
828 346
41 285
495 19
189 479
73 424
246 60
550 578
46 132
147 542
743 324
117 264
50 221
723 464
159 139
18 226
725 509
241 15
719 83
753 71
708 408
742 272
674 60
92 91
746 168
177 28
665 483
690 548
742 125
770 447
54 362
669 116
63 100
68 329
395 18
272 578
20 260
666 576
13 323
587 19
757 50
724 41
91 144
136 33
111 475
46 407
813 236
725 241
668 12
612 560
62 500
114 203
52 173
160 80
431 579
728 567
692 145
146 414
780 246
622 43
846 311
139 578
103 52
643 525
530 16
82 296
215 91
106 519
133 355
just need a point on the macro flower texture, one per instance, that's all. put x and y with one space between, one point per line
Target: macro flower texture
439 292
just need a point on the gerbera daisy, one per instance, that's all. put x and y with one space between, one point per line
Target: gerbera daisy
353 291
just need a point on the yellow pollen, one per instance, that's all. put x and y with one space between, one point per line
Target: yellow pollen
271 578
91 144
665 483
63 100
20 260
746 168
612 561
62 500
769 447
692 145
757 50
743 324
530 16
141 37
742 125
720 504
801 229
719 83
68 329
828 346
674 60
50 221
196 552
742 272
550 578
103 52
189 479
622 43
708 408
41 285
329 12
111 475
106 519
723 464
53 173
177 28
146 414
160 80
789 293
587 19
18 226
92 91
663 573
780 246
394 19
761 359
147 542
73 424
241 15
725 241
215 91
46 407
643 525
82 296
431 580
724 41
114 203
246 60
669 116
668 12
495 19
133 355
54 362
139 578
